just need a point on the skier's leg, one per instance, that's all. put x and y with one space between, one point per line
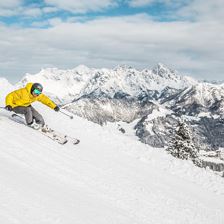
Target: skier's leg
37 117
26 111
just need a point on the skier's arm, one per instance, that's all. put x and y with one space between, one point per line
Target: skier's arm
46 101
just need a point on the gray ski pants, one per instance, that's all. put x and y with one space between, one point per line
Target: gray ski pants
30 114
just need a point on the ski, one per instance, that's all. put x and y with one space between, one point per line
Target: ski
48 132
17 118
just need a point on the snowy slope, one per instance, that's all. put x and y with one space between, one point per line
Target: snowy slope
204 94
5 87
108 179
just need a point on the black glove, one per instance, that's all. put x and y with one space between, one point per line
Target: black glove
57 108
8 107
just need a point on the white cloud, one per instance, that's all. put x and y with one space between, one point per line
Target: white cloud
15 7
10 3
204 10
106 42
82 6
39 24
6 12
32 12
55 21
194 9
49 9
47 23
9 7
141 3
22 12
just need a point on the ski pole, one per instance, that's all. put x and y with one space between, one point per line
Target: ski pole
70 116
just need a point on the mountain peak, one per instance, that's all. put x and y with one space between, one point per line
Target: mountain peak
160 67
166 72
123 67
159 64
82 68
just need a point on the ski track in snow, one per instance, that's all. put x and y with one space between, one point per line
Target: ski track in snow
108 178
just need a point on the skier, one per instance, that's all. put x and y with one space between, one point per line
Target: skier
19 101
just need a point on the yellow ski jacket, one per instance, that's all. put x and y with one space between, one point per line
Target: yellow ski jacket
23 97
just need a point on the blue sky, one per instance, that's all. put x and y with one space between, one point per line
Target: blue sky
105 33
157 9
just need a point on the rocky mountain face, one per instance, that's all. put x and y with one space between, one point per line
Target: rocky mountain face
154 99
200 105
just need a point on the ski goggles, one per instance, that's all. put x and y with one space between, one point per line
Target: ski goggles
37 91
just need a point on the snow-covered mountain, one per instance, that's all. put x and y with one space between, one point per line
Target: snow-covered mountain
122 80
201 105
65 85
121 93
127 81
198 99
125 93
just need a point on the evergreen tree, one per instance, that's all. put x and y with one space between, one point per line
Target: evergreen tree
182 145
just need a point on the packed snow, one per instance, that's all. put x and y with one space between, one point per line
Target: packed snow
5 87
108 178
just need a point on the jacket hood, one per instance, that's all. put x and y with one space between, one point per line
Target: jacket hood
28 87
